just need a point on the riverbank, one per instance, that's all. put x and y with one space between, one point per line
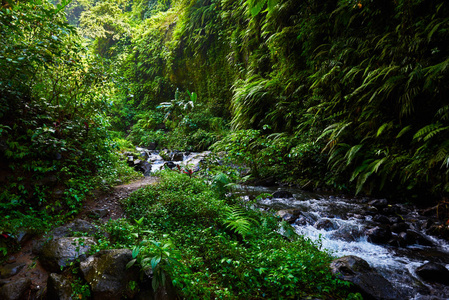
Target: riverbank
209 246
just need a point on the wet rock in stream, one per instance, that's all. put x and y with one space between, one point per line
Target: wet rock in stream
433 272
378 235
366 280
282 194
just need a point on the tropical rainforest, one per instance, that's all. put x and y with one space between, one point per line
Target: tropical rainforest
341 95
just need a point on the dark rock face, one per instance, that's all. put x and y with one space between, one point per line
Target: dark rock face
433 272
282 194
324 224
58 253
399 227
107 275
152 146
144 167
379 203
381 219
58 288
170 164
177 156
378 235
413 237
10 270
15 290
366 280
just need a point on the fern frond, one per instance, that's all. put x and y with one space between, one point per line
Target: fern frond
351 154
429 131
237 220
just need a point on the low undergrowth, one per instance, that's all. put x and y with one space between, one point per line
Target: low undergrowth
212 247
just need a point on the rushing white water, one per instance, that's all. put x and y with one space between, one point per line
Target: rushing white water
346 222
190 160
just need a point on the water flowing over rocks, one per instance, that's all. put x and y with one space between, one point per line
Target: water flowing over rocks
366 280
394 239
149 161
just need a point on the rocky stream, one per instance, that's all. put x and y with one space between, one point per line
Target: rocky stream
387 250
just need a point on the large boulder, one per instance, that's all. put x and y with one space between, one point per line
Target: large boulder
366 280
58 287
77 226
108 276
15 290
433 272
59 253
378 235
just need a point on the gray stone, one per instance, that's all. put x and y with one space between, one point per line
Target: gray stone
10 270
399 227
381 219
22 236
433 272
378 235
107 274
77 225
58 287
366 280
325 224
379 203
60 252
417 238
177 156
15 290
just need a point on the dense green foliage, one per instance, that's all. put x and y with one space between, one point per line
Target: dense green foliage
354 91
221 249
54 96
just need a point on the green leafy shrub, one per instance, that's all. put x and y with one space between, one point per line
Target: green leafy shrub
224 251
